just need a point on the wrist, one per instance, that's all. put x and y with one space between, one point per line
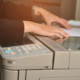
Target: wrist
27 26
38 11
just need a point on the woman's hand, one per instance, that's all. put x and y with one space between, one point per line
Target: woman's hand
49 18
44 30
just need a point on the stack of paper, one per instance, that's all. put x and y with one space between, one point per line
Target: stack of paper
74 23
73 32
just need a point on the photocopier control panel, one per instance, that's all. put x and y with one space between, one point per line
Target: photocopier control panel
28 54
25 50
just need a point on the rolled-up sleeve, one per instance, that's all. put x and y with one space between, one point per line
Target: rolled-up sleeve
11 30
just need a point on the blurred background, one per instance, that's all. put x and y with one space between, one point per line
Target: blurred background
67 9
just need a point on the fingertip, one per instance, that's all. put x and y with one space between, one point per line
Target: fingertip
60 36
69 28
48 24
67 35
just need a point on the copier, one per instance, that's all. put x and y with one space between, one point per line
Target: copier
41 58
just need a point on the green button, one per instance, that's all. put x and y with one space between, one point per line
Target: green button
8 51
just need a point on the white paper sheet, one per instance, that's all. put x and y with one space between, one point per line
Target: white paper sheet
74 23
73 32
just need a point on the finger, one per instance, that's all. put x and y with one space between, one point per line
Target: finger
63 24
61 32
57 22
60 41
60 25
58 35
64 33
69 27
54 34
67 35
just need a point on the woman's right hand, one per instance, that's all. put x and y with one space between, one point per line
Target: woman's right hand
44 30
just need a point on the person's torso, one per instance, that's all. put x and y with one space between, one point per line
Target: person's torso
14 10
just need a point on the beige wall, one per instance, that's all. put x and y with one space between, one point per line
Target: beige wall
68 8
25 2
65 9
77 15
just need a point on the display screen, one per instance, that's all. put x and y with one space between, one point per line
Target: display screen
72 43
25 41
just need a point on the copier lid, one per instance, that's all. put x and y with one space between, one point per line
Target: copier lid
71 43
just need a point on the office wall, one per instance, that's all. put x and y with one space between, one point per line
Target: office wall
77 14
65 8
53 6
68 8
62 8
25 2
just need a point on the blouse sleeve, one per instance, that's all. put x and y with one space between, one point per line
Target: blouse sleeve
11 30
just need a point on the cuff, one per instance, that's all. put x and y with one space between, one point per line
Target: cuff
11 30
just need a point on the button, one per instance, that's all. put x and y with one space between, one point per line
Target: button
8 48
33 46
17 47
28 47
69 49
23 48
19 50
12 53
38 46
8 51
2 51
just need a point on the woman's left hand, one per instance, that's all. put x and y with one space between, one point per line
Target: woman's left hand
49 18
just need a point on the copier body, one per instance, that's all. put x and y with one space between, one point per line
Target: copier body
40 58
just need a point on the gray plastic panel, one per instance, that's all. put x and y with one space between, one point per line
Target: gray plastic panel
75 60
29 62
22 74
67 78
9 75
61 60
61 55
37 74
50 43
28 56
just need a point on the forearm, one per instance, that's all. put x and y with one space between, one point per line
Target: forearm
40 11
28 26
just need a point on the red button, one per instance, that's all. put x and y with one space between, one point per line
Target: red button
12 53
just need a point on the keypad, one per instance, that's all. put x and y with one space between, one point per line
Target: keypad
24 50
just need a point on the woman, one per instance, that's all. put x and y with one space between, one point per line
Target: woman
15 21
